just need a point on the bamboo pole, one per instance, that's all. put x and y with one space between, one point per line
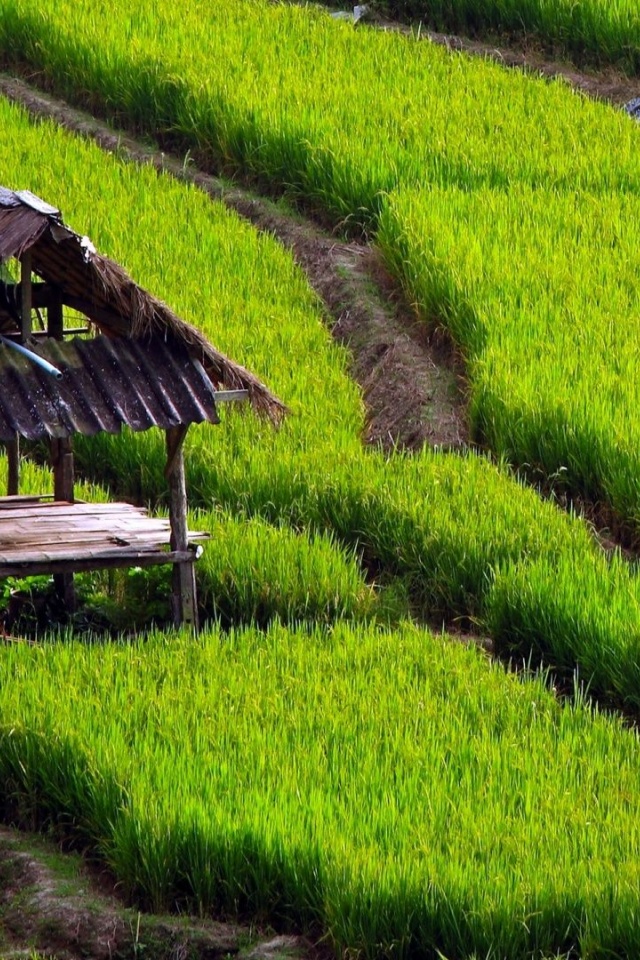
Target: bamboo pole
63 483
184 604
25 296
13 465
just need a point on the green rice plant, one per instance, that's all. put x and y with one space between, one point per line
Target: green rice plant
269 108
540 289
443 522
256 774
595 31
271 90
393 792
486 127
438 525
586 625
252 571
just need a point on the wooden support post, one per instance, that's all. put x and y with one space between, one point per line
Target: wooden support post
63 482
55 324
184 603
62 462
25 296
13 467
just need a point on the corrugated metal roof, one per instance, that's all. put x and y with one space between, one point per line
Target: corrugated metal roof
105 383
102 290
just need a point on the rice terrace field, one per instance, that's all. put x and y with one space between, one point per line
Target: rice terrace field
591 31
336 753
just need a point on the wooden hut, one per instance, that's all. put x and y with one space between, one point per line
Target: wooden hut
134 363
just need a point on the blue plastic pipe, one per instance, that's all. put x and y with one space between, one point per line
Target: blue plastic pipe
39 361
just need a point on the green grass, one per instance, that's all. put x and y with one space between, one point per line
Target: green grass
259 96
540 289
592 31
270 90
253 572
393 792
547 612
435 529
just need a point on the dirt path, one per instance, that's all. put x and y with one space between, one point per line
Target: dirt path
411 382
53 905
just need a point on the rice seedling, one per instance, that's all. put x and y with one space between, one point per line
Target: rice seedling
587 626
487 128
254 572
269 108
313 473
394 792
594 31
271 90
541 291
389 790
441 525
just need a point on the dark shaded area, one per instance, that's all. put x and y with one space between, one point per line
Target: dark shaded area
58 904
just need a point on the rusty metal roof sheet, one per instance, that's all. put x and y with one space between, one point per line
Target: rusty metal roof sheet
105 383
103 291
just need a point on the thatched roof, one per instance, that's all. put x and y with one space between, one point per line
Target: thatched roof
104 292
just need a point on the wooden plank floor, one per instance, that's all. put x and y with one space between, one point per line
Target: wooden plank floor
47 534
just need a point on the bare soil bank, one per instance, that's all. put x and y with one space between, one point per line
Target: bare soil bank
53 905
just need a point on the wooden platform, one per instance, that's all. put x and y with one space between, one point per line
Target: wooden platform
39 535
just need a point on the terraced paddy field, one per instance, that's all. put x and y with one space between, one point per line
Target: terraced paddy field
390 792
591 31
382 788
267 108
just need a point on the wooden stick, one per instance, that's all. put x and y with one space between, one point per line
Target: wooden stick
62 457
183 600
25 296
54 319
13 475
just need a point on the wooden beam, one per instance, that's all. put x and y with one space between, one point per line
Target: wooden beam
25 296
62 462
44 295
118 558
13 465
100 315
175 440
55 324
184 605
